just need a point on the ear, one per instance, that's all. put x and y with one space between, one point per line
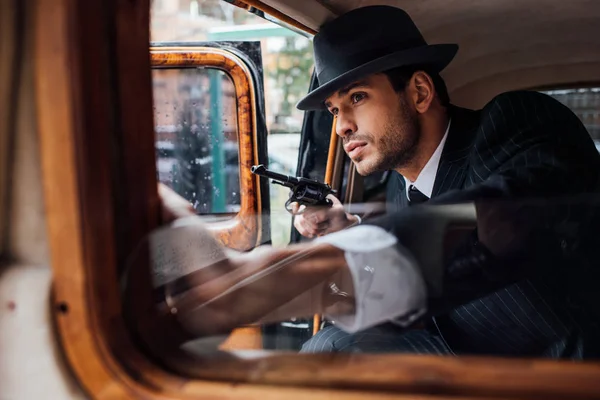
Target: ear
423 91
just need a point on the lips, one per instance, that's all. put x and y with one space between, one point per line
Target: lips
353 149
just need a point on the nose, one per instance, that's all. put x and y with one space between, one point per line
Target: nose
344 125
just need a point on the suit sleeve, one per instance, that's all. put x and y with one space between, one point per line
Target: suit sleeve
530 151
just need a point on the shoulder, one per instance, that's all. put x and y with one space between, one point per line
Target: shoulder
516 122
527 108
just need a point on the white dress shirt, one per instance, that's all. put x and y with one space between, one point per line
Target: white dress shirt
387 281
426 178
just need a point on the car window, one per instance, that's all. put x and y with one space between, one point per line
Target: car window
203 167
585 103
196 137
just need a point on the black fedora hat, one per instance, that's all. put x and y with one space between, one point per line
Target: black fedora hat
366 41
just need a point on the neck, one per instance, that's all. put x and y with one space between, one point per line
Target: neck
432 133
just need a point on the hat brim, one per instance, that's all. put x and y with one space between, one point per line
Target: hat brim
436 56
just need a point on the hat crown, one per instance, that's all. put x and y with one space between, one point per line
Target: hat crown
360 36
367 41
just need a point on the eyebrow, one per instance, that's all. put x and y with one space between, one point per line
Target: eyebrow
344 91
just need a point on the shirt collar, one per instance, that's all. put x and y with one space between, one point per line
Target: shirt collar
426 178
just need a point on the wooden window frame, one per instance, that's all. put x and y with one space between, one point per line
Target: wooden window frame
243 231
94 100
11 44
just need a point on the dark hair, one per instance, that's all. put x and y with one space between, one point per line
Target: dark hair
400 76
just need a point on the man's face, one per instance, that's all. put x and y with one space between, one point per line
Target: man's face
379 129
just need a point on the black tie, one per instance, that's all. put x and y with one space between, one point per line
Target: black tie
415 196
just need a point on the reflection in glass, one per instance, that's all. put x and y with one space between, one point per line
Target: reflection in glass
536 294
287 64
196 137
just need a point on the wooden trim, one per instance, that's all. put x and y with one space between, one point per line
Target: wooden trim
60 112
355 188
329 175
243 231
275 13
338 166
481 377
333 143
10 41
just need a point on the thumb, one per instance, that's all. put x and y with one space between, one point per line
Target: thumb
295 208
334 200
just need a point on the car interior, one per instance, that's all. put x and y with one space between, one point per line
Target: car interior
92 119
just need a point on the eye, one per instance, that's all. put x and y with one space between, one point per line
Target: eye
356 97
334 111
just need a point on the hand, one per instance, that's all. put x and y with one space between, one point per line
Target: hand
318 221
173 206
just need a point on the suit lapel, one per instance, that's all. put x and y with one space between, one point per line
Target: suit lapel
453 163
396 193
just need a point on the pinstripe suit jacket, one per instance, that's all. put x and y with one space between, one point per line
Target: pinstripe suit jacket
542 301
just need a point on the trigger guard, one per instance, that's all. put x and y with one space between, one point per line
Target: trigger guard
288 203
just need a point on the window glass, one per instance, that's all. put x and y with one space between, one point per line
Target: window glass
287 66
585 103
196 137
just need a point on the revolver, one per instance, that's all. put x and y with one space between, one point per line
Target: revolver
303 190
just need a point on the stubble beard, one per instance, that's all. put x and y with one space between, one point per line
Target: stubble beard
397 147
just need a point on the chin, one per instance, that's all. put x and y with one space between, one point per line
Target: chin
363 170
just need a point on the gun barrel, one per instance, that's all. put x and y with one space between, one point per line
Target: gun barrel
262 171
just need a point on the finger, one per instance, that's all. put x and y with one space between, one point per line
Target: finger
317 215
310 224
299 225
295 207
316 230
322 226
309 228
322 230
333 199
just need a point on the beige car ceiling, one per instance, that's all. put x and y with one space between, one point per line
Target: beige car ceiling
504 44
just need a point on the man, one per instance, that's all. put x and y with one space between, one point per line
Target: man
501 288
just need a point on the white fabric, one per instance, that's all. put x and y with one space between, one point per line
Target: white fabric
387 281
426 179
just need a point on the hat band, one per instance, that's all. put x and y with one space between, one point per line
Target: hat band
341 64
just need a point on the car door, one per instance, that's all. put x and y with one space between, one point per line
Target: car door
210 130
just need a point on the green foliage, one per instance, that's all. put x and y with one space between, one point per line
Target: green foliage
292 72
